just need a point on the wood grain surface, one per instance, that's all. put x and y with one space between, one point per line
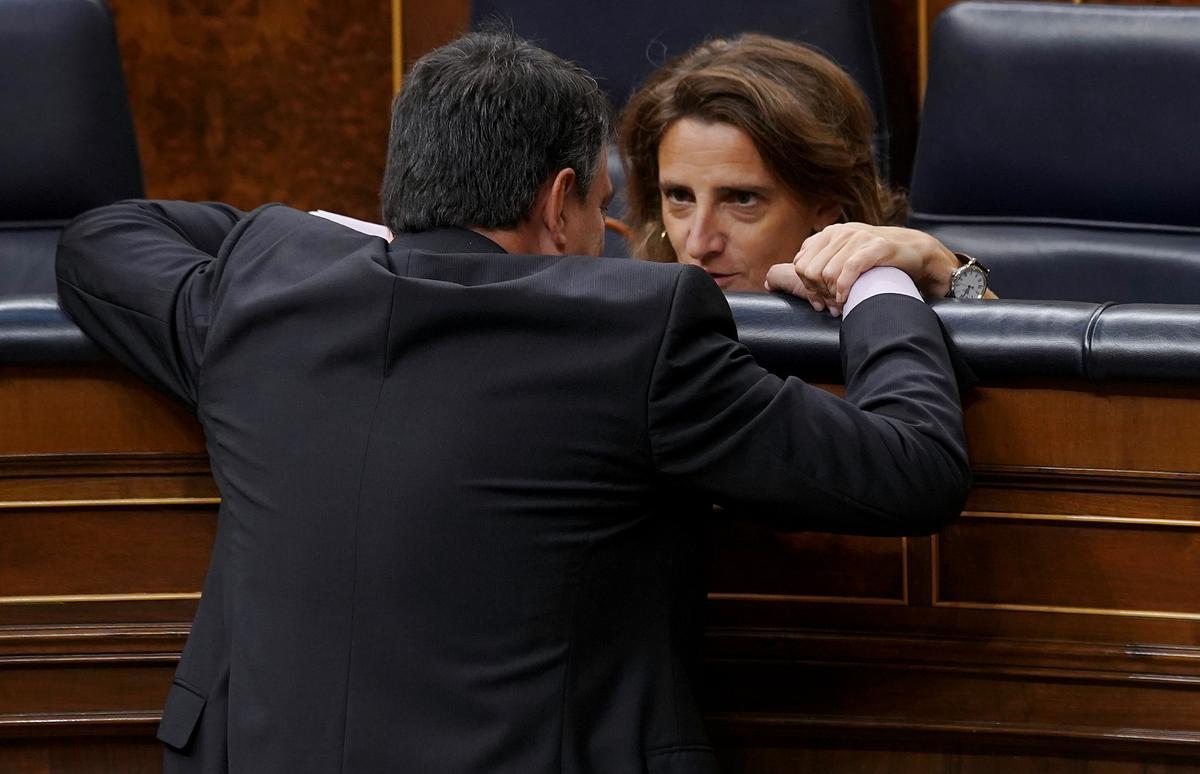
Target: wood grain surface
255 101
1056 623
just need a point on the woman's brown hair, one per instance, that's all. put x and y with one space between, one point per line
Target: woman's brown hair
810 122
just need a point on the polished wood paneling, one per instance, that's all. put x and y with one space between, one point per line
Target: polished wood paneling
254 101
429 24
105 409
27 644
881 759
1087 567
107 508
1117 494
60 478
752 561
1058 616
140 754
1006 641
1127 427
64 553
956 700
87 686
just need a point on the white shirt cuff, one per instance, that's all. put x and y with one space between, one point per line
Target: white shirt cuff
365 226
873 282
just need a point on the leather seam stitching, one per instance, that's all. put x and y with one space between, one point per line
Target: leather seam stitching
1089 333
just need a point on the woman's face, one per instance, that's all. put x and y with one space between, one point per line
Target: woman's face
723 208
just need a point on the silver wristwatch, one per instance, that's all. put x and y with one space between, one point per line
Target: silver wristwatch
969 280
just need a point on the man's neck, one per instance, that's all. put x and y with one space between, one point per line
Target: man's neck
520 240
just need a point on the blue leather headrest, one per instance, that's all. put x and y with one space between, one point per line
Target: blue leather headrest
68 143
622 41
1061 112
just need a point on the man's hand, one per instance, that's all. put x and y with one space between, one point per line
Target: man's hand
831 260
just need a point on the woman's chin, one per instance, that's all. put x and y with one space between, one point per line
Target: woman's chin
738 283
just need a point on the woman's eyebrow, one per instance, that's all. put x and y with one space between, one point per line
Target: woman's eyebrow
754 189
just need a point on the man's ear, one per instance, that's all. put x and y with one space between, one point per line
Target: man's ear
553 210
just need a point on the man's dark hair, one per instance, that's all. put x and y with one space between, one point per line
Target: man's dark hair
479 125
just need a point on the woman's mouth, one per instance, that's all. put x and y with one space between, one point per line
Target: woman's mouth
723 279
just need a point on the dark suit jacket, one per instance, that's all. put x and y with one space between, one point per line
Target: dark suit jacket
461 489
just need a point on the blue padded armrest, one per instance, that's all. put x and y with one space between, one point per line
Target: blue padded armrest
787 336
1000 340
1147 342
34 331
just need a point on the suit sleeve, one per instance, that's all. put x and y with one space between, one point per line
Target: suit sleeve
889 459
136 278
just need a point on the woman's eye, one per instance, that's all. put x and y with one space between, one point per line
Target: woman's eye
677 195
744 198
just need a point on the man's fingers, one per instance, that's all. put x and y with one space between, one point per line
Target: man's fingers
782 278
821 271
870 253
812 290
814 243
832 260
809 265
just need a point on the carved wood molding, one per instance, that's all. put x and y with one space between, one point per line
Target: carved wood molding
747 728
37 724
99 480
119 464
1088 480
29 644
1045 659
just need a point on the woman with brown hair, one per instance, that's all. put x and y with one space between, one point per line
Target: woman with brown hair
754 151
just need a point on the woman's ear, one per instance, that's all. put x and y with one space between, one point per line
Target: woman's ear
826 214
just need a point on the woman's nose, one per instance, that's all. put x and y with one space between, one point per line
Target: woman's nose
705 236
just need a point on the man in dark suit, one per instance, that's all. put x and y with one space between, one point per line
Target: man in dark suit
461 489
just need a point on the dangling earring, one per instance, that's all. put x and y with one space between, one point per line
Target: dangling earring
663 235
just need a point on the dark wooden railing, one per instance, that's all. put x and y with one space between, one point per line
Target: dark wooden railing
1056 624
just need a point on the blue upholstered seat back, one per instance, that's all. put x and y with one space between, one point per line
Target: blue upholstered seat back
622 41
1058 145
67 143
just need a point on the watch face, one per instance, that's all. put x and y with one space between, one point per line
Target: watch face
971 282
